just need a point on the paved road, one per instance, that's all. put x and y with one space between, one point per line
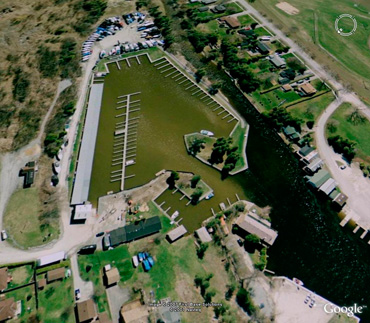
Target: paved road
350 180
86 288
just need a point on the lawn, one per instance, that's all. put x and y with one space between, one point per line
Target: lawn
202 185
358 132
345 49
238 136
246 20
260 31
22 223
274 98
56 302
21 275
27 297
311 109
213 27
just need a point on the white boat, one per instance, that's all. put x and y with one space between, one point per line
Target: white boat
207 133
297 281
129 162
175 215
210 195
135 261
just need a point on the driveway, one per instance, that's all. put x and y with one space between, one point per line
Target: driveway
86 288
117 296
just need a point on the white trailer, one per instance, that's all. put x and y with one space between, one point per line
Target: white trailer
50 259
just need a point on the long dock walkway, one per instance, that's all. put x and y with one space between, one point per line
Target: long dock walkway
125 143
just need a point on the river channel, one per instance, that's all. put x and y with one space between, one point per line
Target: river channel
311 245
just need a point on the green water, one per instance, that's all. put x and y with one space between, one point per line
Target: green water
167 112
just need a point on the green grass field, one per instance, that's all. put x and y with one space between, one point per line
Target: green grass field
21 275
352 51
359 132
56 302
22 223
311 109
246 20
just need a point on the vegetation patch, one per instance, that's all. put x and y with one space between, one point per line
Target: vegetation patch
24 223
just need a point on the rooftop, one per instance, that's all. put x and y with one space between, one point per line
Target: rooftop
112 276
134 312
232 22
86 156
203 235
341 199
55 274
7 309
319 178
135 231
263 48
328 186
3 278
277 61
307 88
251 225
176 233
86 311
82 212
304 151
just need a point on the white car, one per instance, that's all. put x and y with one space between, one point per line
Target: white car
4 235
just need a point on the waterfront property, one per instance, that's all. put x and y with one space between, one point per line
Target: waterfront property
85 160
139 136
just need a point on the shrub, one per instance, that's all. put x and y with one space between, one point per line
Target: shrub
21 85
244 300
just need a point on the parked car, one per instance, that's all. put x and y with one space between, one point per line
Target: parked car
343 167
4 235
100 234
240 242
77 294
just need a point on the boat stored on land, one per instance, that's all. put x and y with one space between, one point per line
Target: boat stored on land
207 133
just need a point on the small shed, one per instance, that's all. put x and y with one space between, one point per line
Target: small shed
203 235
203 9
232 22
286 87
277 61
41 283
263 48
341 199
82 212
307 89
3 278
55 274
177 233
112 276
208 1
86 311
218 9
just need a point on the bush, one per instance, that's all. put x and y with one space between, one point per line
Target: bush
48 66
244 300
202 250
21 85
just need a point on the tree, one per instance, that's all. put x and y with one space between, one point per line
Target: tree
254 25
195 180
208 296
199 74
202 250
230 291
196 196
244 300
196 145
172 179
252 238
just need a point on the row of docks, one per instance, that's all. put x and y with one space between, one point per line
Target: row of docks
165 67
125 136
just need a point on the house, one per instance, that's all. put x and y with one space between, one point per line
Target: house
232 22
41 283
328 186
306 89
111 276
291 133
203 235
104 318
314 166
249 224
4 278
277 61
82 212
286 87
55 274
203 9
340 199
263 48
29 172
207 2
7 309
134 312
135 231
218 9
86 311
318 179
177 233
305 150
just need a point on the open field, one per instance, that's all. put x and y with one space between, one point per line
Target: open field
356 131
315 23
21 275
311 109
22 223
56 301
